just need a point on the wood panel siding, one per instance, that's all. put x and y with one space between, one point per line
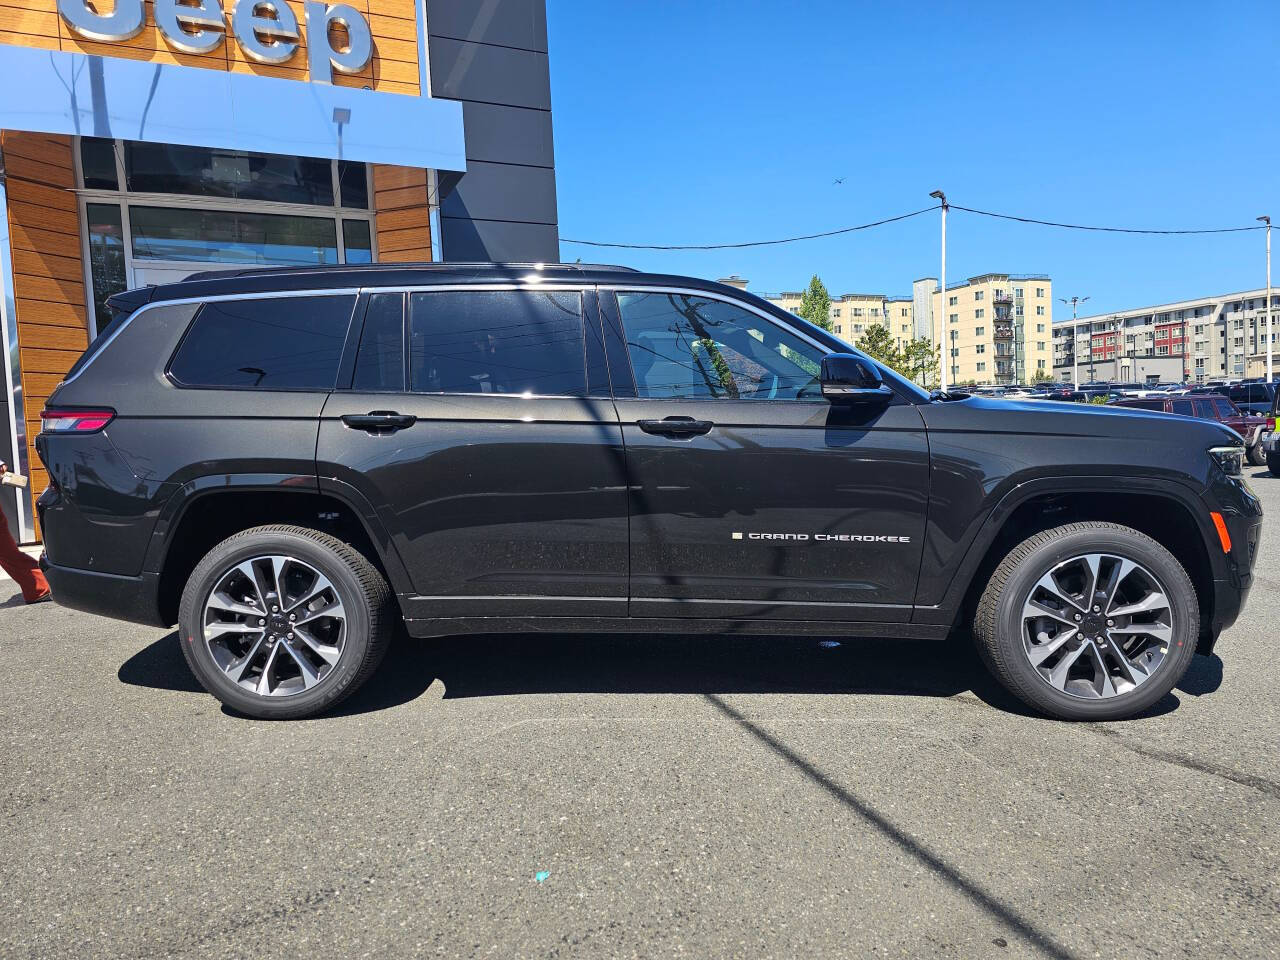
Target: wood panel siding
402 217
393 24
48 271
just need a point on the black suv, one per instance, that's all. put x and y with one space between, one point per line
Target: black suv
288 463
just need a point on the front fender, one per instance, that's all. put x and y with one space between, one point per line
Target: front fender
939 600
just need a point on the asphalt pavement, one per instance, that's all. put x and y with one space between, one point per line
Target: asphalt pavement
604 796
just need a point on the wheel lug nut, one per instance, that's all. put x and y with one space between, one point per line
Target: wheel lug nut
294 616
276 609
291 636
262 621
1111 623
1077 618
1096 608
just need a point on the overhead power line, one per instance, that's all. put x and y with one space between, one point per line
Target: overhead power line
1077 226
904 216
751 243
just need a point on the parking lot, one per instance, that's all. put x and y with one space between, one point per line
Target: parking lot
557 796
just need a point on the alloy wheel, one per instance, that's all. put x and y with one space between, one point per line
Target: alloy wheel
274 625
1097 626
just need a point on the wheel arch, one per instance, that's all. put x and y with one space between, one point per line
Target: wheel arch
1148 506
206 511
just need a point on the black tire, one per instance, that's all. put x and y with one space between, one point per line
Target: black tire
371 617
1257 455
998 628
1273 462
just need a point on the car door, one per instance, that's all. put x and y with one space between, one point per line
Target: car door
751 496
470 429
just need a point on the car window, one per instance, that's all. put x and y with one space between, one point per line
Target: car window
1222 407
689 346
277 343
380 358
1183 408
497 341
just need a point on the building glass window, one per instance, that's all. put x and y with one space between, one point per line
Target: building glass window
98 163
106 254
353 183
154 212
232 174
225 236
356 241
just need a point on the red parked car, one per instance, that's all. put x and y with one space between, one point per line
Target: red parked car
1210 406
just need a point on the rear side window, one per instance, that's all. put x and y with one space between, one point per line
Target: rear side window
285 343
497 341
1183 408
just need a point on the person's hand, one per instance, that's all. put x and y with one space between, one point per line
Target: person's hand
4 468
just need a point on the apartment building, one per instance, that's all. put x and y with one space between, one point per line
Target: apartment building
850 314
1219 337
999 328
999 325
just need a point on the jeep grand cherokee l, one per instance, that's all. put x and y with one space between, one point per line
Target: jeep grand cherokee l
286 463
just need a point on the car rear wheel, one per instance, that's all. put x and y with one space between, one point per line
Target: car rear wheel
1273 462
1257 455
283 622
1088 621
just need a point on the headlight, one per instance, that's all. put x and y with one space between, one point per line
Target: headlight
1230 459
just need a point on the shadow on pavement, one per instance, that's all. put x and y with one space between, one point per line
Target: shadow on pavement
505 665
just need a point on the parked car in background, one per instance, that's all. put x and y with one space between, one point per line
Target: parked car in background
1270 438
1069 394
1211 406
1257 397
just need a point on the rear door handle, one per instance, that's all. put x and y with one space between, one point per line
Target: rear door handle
380 421
676 426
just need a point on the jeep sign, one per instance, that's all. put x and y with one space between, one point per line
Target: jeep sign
266 30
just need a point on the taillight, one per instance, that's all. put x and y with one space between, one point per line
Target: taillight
1271 424
75 421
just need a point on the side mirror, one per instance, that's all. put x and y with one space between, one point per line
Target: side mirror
849 378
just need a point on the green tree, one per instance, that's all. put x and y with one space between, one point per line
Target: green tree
1041 376
921 362
815 305
877 343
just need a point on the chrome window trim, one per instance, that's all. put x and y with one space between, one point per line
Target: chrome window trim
532 283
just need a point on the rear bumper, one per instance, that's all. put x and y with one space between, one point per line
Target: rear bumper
135 599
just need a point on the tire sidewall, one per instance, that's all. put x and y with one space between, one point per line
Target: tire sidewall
1136 547
256 544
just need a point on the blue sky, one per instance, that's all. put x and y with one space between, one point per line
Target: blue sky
708 122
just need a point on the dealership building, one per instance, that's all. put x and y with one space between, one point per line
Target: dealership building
162 138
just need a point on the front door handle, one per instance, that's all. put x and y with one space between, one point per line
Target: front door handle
676 426
380 421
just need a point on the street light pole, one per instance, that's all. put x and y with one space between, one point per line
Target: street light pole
1075 360
1267 327
943 345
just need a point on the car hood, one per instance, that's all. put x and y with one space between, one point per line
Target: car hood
1042 417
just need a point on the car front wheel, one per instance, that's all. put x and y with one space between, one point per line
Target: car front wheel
283 622
1088 621
1273 462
